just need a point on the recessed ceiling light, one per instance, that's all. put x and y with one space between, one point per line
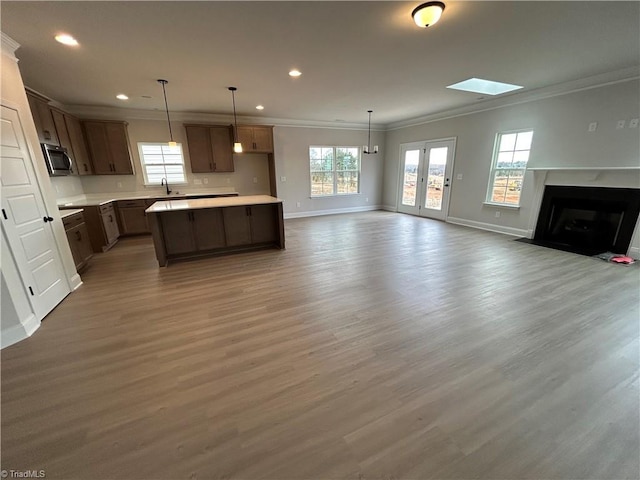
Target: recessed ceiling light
66 39
295 73
486 87
259 107
147 96
122 96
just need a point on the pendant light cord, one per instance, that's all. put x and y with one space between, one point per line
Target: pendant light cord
235 119
369 138
166 107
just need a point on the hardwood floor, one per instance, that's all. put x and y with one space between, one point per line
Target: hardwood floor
378 345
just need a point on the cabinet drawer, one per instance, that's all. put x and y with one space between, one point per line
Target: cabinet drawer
106 208
73 221
132 203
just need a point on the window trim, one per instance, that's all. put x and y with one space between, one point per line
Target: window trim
334 171
492 171
143 165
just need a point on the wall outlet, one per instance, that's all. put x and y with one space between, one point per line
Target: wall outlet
633 123
119 184
255 179
228 180
205 180
620 124
498 214
366 199
459 176
593 126
283 179
298 204
197 181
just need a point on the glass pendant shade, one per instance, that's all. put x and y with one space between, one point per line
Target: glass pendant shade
427 14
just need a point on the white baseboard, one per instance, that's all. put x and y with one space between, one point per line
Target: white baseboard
19 332
335 211
634 252
516 232
75 281
389 208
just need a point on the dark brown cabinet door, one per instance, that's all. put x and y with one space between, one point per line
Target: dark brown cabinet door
178 232
199 145
98 145
256 138
245 137
237 226
119 143
81 156
208 229
264 223
222 148
41 112
63 135
133 220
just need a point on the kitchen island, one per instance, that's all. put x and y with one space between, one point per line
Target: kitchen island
188 228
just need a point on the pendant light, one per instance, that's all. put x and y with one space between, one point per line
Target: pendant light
237 146
367 148
166 106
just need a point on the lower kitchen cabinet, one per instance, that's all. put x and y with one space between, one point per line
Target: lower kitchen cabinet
132 217
78 238
102 226
251 225
192 231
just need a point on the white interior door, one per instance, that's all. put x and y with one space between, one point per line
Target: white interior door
425 182
25 220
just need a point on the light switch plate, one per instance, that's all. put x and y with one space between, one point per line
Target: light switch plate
593 126
620 124
633 123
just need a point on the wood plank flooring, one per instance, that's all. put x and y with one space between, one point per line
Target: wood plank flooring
376 346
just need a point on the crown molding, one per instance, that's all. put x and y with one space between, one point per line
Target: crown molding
118 113
9 46
595 81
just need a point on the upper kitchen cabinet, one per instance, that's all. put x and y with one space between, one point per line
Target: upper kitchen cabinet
43 119
256 138
108 144
210 148
82 162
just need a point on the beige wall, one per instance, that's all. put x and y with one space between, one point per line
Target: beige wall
561 139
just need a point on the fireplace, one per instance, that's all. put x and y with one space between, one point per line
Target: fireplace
587 220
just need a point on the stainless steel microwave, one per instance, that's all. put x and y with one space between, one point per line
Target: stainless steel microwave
57 159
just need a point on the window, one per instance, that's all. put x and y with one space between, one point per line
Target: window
508 167
334 170
159 161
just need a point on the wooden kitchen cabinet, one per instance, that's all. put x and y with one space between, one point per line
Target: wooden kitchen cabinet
108 145
102 226
82 162
256 138
192 231
251 225
132 217
78 238
43 119
210 148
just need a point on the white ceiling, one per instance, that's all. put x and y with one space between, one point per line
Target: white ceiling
354 56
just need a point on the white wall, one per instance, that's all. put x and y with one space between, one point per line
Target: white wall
292 162
561 139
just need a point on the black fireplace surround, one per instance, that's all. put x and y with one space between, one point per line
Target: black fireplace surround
587 220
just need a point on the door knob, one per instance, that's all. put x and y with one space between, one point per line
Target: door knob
48 219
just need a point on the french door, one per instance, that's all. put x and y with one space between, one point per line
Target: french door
425 180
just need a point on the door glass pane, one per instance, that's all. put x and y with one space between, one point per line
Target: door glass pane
410 183
435 177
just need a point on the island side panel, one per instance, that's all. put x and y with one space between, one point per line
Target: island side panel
158 238
280 226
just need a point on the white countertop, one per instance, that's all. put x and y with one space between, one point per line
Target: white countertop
68 213
94 199
199 203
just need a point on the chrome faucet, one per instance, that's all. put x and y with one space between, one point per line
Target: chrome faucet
165 182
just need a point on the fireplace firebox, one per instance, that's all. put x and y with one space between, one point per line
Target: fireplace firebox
587 220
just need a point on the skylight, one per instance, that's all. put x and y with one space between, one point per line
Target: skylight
485 87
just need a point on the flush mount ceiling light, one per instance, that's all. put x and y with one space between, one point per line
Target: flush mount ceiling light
166 106
66 39
367 148
295 73
237 146
485 87
427 14
122 96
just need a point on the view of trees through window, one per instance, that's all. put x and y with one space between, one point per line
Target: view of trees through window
334 170
509 166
